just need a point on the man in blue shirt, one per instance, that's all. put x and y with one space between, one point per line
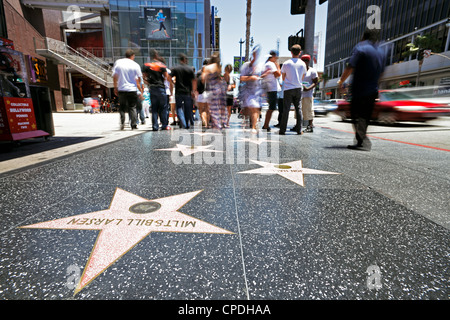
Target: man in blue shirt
367 63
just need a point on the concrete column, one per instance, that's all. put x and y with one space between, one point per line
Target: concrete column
310 20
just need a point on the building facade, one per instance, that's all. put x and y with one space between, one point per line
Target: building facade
134 24
79 41
399 23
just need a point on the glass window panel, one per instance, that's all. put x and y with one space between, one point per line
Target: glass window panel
191 7
134 5
200 8
122 4
179 7
113 4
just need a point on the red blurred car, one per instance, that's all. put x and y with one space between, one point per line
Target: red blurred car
393 106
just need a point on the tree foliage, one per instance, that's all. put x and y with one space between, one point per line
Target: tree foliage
420 44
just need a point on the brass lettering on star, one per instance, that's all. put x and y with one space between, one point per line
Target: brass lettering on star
133 222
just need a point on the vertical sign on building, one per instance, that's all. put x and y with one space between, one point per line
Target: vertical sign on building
213 26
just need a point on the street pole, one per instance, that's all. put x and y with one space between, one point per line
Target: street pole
240 53
310 20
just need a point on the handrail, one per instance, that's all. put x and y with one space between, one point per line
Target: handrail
94 58
62 48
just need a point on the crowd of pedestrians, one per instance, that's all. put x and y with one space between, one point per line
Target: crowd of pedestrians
180 90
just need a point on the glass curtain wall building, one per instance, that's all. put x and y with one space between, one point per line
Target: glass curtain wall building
347 21
170 27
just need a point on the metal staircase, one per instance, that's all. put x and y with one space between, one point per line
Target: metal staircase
80 60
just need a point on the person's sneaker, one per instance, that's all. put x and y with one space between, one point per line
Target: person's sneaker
308 129
358 147
167 128
254 131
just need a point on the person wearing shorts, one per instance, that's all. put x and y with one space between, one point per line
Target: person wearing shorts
309 83
272 71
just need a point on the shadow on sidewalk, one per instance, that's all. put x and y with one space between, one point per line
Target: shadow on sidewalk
12 150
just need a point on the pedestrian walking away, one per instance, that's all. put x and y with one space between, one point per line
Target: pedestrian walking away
155 72
251 88
309 83
212 78
202 98
271 85
293 73
230 91
367 63
185 91
127 77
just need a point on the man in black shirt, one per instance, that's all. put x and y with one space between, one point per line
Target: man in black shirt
155 73
185 88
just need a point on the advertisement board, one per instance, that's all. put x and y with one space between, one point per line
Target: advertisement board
158 24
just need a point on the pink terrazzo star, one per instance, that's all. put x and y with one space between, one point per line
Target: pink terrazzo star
127 221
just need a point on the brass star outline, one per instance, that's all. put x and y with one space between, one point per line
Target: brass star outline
121 229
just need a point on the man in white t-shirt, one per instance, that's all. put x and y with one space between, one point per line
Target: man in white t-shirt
293 72
271 73
309 83
127 76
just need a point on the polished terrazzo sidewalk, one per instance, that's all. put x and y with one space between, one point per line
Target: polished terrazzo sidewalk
262 217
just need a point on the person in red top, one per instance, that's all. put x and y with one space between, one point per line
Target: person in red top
154 74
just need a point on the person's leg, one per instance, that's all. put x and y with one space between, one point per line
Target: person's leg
188 111
180 110
272 99
362 110
287 100
122 108
164 114
254 115
308 113
154 98
132 102
298 112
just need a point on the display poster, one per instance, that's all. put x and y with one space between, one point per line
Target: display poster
19 115
158 23
38 70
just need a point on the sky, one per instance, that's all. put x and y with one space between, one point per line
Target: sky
270 20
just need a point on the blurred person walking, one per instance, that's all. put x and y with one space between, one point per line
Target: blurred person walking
212 78
202 98
293 72
270 77
251 88
367 63
309 83
185 91
230 92
155 74
127 76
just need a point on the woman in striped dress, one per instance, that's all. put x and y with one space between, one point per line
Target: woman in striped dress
217 91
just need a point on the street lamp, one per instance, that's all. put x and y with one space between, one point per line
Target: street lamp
241 42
